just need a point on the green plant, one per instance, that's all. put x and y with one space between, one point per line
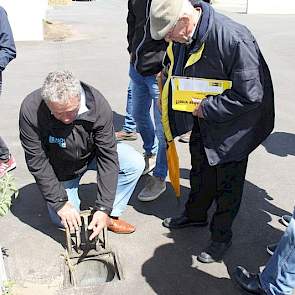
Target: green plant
8 191
7 288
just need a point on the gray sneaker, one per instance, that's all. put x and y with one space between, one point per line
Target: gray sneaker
150 163
154 187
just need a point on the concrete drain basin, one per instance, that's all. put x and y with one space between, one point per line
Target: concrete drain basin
91 271
89 263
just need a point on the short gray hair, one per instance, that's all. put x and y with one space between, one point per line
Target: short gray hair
59 86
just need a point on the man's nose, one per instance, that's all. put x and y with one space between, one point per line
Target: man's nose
67 119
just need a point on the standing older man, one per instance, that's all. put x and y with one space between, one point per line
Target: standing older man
66 128
226 127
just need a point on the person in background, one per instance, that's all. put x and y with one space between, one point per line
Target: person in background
7 53
278 276
146 57
128 131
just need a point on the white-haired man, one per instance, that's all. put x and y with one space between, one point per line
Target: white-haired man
226 126
66 128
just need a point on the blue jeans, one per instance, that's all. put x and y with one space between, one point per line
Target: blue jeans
131 168
278 277
145 91
129 122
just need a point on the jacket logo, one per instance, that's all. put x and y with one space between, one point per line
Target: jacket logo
57 140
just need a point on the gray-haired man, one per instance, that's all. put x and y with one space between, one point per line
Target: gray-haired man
66 128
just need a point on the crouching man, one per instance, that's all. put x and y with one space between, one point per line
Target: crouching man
66 128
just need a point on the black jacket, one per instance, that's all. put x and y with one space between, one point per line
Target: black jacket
57 152
7 46
146 54
238 120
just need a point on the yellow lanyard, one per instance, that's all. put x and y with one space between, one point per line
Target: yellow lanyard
165 93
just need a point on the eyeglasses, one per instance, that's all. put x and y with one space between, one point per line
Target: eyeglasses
170 32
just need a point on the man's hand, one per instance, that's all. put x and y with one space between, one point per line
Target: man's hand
98 222
70 217
198 112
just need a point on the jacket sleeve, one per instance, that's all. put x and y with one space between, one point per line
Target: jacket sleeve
38 163
7 46
131 25
106 159
247 90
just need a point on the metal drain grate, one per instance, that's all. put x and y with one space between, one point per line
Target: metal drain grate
86 263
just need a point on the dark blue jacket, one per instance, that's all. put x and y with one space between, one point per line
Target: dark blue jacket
7 46
239 119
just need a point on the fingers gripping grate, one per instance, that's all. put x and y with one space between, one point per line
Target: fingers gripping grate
89 263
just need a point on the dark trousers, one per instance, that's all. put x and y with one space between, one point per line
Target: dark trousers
221 183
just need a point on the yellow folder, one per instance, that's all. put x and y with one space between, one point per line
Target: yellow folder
187 92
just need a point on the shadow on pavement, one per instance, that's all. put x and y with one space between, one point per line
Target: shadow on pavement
280 144
30 208
173 268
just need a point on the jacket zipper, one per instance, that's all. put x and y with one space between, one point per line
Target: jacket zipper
144 34
76 146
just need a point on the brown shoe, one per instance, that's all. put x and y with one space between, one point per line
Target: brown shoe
124 135
120 226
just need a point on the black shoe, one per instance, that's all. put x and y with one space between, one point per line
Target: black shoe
214 252
270 249
248 281
182 221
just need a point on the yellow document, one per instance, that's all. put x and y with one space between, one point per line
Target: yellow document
188 91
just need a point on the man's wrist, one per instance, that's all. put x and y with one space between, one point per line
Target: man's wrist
58 205
103 209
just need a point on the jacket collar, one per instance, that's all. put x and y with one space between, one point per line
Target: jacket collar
89 115
204 26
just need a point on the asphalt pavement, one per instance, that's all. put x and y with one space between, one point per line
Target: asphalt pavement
155 260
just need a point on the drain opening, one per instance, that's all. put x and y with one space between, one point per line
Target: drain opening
90 272
86 263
